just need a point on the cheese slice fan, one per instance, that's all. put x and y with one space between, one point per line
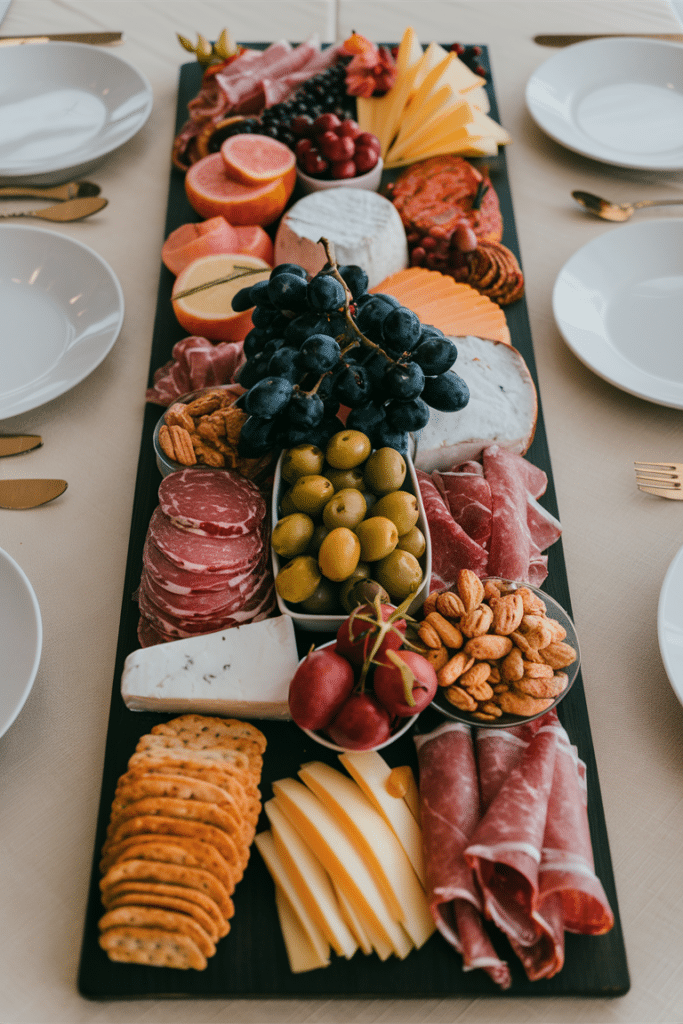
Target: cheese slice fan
17 443
29 493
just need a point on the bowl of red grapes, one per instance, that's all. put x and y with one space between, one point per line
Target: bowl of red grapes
332 151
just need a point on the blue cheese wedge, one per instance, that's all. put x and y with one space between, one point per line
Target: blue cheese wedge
240 672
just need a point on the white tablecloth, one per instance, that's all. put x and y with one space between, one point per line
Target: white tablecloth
617 541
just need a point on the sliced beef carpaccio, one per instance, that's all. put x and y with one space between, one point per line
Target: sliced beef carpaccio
212 502
199 554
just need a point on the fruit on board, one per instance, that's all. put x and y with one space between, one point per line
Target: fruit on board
208 313
190 241
212 192
256 159
331 148
361 723
363 631
405 683
321 684
253 241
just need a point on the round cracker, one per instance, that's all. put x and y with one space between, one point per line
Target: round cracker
182 851
154 917
187 907
223 817
170 874
211 730
152 947
161 889
177 787
162 825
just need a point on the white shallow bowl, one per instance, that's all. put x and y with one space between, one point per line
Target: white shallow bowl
63 108
21 639
617 303
670 624
62 310
370 180
331 623
619 101
325 742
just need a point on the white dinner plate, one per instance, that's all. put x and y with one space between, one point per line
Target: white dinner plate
63 108
62 310
618 303
21 639
619 101
670 624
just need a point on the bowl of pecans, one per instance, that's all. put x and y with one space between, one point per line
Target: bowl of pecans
504 652
203 429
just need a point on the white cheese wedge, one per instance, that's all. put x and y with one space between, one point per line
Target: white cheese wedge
364 227
377 845
329 842
316 939
301 953
371 772
244 671
311 881
502 408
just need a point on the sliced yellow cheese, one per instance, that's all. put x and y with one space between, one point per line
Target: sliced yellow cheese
365 114
401 782
455 113
331 845
459 143
316 939
351 917
311 881
432 57
479 98
389 108
371 772
377 844
301 954
375 940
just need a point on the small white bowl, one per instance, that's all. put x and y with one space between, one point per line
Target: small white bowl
331 623
370 180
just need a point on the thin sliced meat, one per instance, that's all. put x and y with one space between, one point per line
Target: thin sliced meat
203 604
469 500
452 549
196 363
236 611
512 480
200 554
212 502
180 581
449 811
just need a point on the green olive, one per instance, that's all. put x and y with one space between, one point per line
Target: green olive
399 573
346 508
339 554
355 592
287 506
384 471
324 600
413 541
378 536
401 507
342 478
292 535
304 460
318 537
311 493
347 448
298 579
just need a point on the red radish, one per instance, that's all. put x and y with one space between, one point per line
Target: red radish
320 686
405 676
362 723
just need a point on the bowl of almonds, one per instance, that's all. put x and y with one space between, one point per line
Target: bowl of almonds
504 652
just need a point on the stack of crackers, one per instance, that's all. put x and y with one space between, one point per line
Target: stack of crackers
494 271
181 827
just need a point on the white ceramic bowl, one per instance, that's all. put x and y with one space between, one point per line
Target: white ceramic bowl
370 180
402 727
331 623
554 611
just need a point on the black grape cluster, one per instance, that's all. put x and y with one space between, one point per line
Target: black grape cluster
312 350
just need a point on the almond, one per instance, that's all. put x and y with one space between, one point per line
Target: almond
558 655
470 589
488 647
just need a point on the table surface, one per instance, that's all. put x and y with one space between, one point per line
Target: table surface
618 542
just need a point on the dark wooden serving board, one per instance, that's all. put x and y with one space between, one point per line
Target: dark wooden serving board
251 960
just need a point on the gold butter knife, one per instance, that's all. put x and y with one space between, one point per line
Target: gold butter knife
569 40
72 209
15 444
21 494
92 38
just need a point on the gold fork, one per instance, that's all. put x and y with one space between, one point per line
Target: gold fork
665 479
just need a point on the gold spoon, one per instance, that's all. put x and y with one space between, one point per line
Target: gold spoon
617 211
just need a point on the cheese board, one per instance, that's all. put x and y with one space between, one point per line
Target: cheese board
251 960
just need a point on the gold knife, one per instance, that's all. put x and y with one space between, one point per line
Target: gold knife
92 38
72 209
15 444
29 493
567 40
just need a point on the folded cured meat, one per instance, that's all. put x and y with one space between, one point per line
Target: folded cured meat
485 516
196 363
449 811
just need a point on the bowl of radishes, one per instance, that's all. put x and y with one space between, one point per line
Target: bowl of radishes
366 688
331 152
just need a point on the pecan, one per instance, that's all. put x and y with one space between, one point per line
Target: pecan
429 604
491 709
176 443
507 613
536 630
477 621
429 636
454 668
546 687
558 630
450 634
529 650
437 657
204 404
488 646
460 698
533 605
470 589
512 666
514 703
474 681
537 669
558 655
491 590
177 416
450 605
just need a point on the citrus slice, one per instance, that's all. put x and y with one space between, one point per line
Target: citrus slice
253 240
208 313
212 192
256 159
190 241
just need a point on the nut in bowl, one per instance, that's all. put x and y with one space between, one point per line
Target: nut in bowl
504 652
348 523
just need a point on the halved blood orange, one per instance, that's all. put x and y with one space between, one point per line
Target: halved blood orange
212 192
253 240
208 313
256 159
190 241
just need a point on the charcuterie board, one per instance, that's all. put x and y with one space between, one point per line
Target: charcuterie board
251 960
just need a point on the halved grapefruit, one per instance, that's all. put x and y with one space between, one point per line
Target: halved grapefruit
212 192
190 241
208 313
256 159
